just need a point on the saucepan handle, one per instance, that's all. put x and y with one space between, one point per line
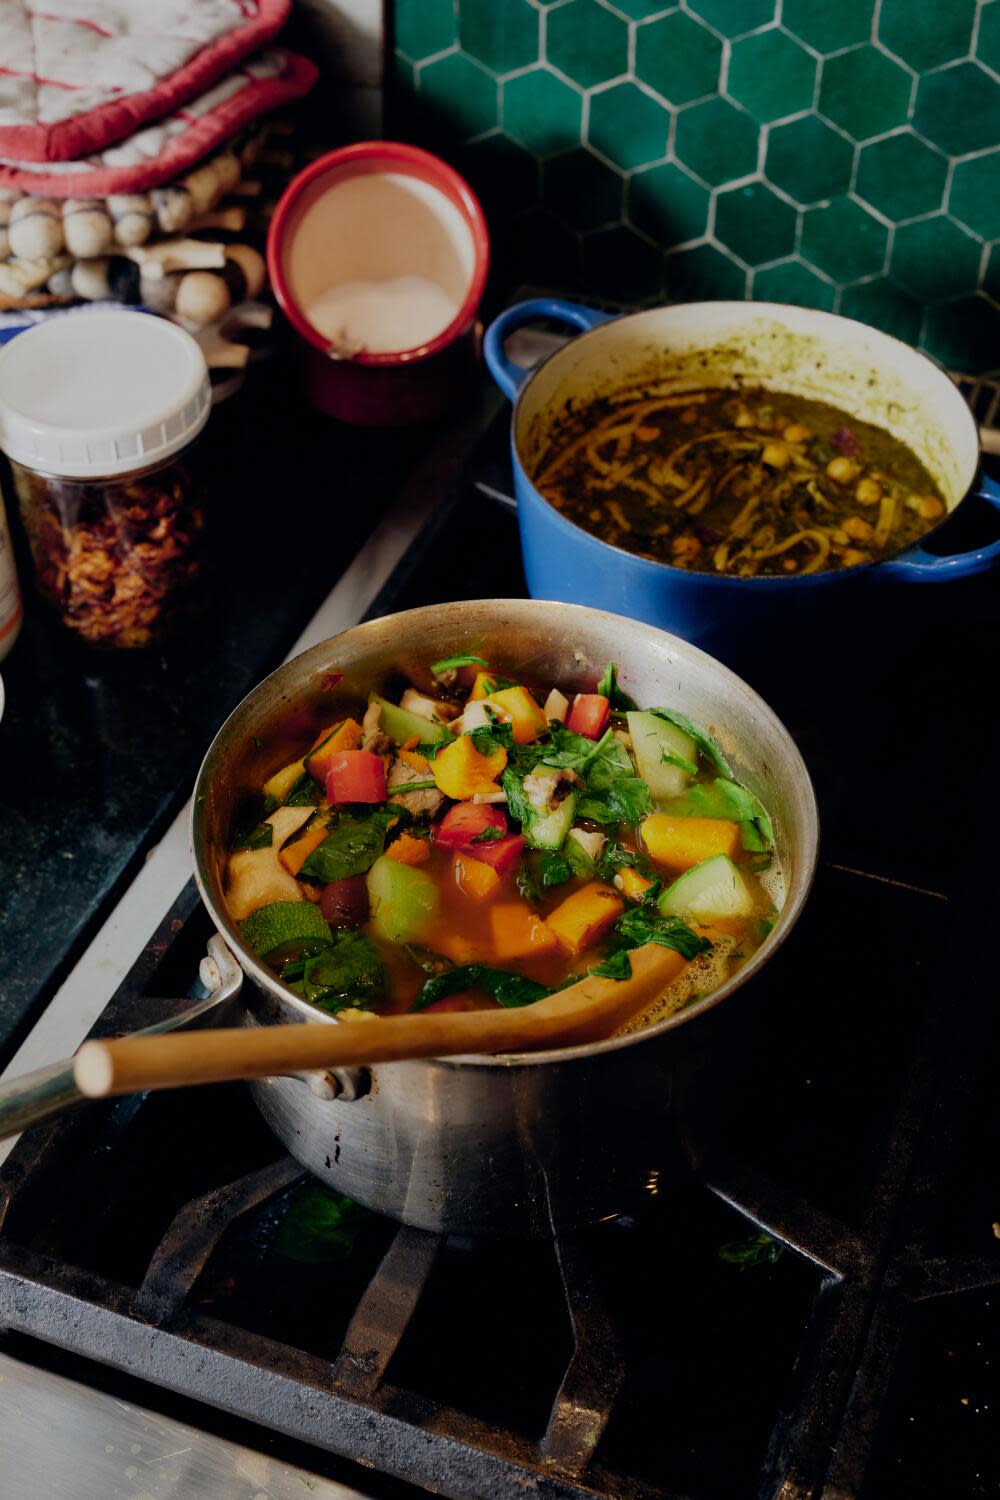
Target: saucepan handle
509 376
917 565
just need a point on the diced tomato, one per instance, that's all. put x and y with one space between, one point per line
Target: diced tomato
502 854
465 822
589 715
355 776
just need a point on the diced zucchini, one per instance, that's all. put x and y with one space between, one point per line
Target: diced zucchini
548 830
652 739
708 892
283 923
400 725
403 900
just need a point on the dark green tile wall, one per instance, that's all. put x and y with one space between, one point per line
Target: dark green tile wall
843 154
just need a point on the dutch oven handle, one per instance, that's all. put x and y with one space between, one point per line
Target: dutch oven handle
917 565
509 376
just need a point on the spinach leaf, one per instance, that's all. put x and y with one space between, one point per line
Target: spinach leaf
643 924
260 837
616 857
518 806
528 887
704 741
319 1227
488 736
507 989
430 748
450 662
608 686
574 752
554 869
615 966
578 859
350 848
625 799
346 972
303 791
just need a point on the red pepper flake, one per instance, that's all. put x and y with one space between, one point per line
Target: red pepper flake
845 441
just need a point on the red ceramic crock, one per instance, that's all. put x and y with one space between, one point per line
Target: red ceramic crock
381 389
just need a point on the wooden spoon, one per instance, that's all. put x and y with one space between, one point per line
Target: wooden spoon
591 1009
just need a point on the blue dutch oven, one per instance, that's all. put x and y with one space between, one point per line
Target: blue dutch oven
865 373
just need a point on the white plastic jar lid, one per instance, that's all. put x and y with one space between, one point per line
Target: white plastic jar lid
102 392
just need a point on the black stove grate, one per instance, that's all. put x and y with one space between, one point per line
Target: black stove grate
811 1314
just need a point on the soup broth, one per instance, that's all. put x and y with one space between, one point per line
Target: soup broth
747 483
478 841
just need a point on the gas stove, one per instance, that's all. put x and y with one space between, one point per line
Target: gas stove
812 1312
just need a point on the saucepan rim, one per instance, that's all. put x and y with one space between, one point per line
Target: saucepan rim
793 771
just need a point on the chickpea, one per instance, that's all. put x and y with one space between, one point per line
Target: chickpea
853 556
685 546
930 508
842 470
775 455
857 529
868 492
796 433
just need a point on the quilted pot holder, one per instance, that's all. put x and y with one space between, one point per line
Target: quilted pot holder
80 74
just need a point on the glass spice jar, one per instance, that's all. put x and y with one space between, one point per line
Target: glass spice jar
97 415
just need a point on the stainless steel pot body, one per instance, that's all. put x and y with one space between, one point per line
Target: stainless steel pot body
482 1145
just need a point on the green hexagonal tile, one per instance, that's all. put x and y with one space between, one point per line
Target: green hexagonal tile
901 176
581 189
461 93
503 175
716 140
771 75
424 27
959 109
619 263
935 259
587 43
754 223
791 281
843 240
668 204
808 160
734 17
925 36
541 111
988 39
991 278
864 92
703 274
501 37
829 27
964 336
974 199
639 10
884 306
678 58
627 126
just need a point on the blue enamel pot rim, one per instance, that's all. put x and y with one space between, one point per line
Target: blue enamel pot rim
910 563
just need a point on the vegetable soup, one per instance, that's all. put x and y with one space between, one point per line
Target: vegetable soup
474 840
746 483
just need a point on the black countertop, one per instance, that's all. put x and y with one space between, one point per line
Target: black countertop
98 750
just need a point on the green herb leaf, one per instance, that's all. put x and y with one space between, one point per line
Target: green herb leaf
641 924
574 752
450 662
303 791
704 741
615 857
518 806
755 1250
415 786
554 869
488 736
260 837
579 860
431 748
608 686
347 972
679 761
507 989
615 966
528 886
319 1227
489 835
350 848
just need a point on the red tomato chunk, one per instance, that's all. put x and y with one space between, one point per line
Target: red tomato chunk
465 822
500 853
355 776
589 715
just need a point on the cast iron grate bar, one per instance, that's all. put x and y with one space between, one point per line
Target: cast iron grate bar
384 1312
184 1250
595 1371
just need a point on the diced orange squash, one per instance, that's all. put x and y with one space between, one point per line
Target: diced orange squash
526 718
483 685
680 843
294 856
407 850
453 945
414 761
474 879
633 885
583 918
517 932
346 736
461 771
